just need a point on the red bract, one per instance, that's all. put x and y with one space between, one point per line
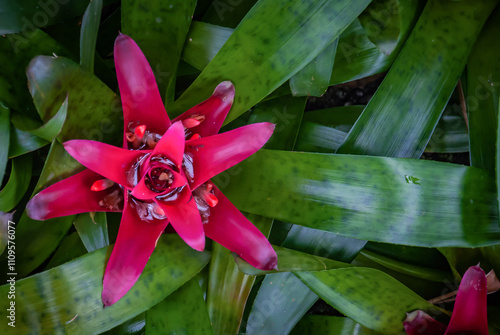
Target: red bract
160 176
469 313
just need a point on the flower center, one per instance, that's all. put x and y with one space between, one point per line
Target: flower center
159 179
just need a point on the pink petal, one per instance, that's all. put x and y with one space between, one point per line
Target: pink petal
134 245
141 191
184 216
469 313
214 154
228 227
172 144
109 161
420 323
214 109
141 100
72 196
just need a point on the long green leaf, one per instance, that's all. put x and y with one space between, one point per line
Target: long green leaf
92 107
273 42
292 260
483 75
88 34
4 139
93 230
314 78
329 325
182 312
228 287
203 42
68 298
160 29
27 15
71 247
409 202
19 181
408 104
368 296
292 299
44 236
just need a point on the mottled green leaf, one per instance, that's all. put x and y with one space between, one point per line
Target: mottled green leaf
182 312
4 139
409 269
17 185
483 91
227 13
272 42
93 109
88 34
368 296
329 325
160 29
286 113
93 230
420 82
314 78
228 287
203 42
71 247
67 299
370 198
292 260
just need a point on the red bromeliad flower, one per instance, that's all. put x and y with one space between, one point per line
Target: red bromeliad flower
160 176
469 314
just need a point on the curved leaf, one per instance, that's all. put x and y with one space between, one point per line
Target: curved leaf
93 230
329 325
401 201
273 42
88 34
19 181
68 298
420 82
92 108
4 138
368 296
182 312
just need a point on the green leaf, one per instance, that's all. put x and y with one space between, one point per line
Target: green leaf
27 15
134 326
279 305
368 296
4 139
19 181
483 77
227 13
93 230
420 82
92 107
271 42
182 312
17 50
292 260
71 247
329 325
408 269
44 236
24 140
203 42
369 197
325 130
68 298
160 29
88 34
228 288
286 113
382 23
291 299
314 78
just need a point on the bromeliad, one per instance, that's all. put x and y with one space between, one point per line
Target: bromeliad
160 176
469 314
